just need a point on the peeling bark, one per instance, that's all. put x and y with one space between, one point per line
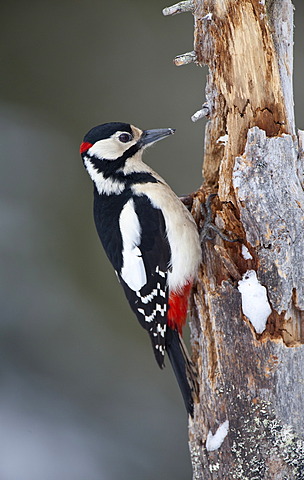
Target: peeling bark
251 384
271 203
244 84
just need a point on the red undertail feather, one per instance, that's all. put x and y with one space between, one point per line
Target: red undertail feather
178 307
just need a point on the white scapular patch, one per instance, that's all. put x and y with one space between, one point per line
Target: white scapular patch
133 271
105 186
214 442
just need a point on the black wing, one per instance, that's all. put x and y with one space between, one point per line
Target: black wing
148 267
150 302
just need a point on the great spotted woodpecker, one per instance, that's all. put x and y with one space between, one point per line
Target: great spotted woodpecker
148 235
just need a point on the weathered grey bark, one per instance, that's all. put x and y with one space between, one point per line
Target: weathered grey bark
249 422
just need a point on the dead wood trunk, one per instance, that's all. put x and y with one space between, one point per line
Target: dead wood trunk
249 422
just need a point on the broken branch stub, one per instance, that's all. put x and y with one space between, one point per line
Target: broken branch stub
181 7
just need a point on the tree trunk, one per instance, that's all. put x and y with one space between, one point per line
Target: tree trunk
248 306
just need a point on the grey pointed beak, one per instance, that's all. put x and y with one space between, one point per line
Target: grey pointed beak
152 136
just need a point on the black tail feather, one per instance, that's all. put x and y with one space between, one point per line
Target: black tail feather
183 368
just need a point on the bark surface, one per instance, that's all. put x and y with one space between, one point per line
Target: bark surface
249 422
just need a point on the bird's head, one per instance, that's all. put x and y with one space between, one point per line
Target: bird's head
114 141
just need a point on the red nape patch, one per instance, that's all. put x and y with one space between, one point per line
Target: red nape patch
178 306
85 146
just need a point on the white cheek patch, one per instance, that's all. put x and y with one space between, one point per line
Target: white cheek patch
133 271
110 148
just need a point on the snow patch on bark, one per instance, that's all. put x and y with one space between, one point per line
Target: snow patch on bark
214 442
255 303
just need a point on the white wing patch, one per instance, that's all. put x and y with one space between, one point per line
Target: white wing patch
133 271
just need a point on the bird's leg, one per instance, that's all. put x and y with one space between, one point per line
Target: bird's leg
209 229
209 226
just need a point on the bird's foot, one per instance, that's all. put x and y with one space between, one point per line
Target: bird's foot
209 229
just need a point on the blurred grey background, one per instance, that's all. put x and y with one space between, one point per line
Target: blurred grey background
81 397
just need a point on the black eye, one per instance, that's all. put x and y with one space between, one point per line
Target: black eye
125 137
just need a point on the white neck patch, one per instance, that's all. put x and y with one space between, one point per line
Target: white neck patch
105 186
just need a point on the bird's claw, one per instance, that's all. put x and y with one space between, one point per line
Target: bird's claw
209 229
